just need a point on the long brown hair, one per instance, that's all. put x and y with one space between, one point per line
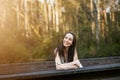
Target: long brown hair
71 50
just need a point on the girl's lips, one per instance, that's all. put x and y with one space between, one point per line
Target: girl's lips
66 44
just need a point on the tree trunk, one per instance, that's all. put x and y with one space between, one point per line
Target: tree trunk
92 22
96 3
26 18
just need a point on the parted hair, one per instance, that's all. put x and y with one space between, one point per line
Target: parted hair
60 48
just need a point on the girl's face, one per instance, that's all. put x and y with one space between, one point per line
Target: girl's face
68 40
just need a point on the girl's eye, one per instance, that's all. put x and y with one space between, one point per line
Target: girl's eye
70 39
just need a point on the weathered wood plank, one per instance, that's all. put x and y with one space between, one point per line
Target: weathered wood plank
47 68
49 73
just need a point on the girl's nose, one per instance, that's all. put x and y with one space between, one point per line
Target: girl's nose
67 40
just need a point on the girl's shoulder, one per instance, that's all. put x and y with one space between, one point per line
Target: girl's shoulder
55 50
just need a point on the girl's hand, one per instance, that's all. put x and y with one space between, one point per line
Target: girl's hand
77 62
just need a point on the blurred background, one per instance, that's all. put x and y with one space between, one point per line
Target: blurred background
30 30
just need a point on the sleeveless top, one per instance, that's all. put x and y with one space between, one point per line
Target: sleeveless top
63 60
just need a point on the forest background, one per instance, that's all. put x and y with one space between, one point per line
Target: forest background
30 30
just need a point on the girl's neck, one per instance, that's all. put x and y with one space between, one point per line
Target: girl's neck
66 54
66 49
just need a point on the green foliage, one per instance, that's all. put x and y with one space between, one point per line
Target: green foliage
11 50
86 44
45 46
112 46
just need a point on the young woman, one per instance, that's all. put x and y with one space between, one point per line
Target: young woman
66 55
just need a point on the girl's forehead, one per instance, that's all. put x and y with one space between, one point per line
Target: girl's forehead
69 35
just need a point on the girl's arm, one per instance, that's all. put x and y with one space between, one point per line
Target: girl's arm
76 60
64 66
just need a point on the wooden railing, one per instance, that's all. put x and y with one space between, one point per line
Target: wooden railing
47 68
